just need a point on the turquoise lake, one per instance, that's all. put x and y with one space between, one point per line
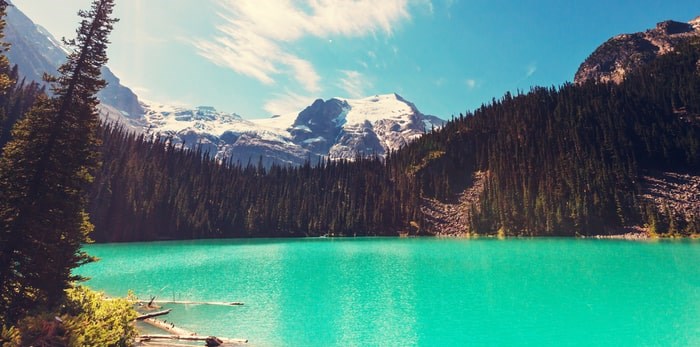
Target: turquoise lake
418 291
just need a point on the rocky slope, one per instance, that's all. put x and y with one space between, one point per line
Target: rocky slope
623 53
452 219
673 193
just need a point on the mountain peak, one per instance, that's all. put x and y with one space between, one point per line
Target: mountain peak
671 27
612 60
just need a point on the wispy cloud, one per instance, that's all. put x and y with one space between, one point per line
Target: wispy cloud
427 6
256 35
448 7
288 102
354 83
531 69
471 83
140 90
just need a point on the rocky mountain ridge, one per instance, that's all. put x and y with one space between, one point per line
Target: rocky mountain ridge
612 60
336 128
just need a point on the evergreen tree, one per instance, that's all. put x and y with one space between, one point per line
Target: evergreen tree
44 173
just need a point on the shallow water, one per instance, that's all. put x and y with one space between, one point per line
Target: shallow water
424 291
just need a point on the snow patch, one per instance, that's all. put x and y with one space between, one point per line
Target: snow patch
314 140
376 108
302 128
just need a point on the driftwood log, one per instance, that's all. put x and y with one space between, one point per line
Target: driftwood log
153 314
207 339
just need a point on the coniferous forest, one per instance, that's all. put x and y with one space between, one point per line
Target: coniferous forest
561 161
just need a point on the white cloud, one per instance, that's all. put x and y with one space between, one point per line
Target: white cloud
304 72
471 83
354 83
255 36
289 102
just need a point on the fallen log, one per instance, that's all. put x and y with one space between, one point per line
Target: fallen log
191 338
185 302
153 314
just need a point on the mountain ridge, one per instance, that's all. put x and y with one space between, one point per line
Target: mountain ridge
623 53
337 128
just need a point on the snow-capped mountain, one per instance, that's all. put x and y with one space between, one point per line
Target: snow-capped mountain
337 128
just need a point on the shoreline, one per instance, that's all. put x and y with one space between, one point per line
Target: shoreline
183 336
623 236
168 327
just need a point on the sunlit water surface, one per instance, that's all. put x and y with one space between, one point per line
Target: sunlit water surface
424 291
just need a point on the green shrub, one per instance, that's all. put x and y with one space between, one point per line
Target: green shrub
86 318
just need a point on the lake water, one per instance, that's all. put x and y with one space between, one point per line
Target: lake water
419 292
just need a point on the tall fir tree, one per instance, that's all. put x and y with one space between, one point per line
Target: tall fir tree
44 173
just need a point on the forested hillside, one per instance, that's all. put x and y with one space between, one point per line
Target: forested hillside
568 160
560 161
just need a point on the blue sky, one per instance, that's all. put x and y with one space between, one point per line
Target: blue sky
264 57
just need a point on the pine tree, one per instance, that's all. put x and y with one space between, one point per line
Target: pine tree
44 172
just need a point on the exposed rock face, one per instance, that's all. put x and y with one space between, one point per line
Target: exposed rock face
318 126
120 97
611 61
675 193
452 219
378 124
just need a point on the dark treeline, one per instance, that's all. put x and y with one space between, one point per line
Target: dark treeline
151 190
560 161
17 99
